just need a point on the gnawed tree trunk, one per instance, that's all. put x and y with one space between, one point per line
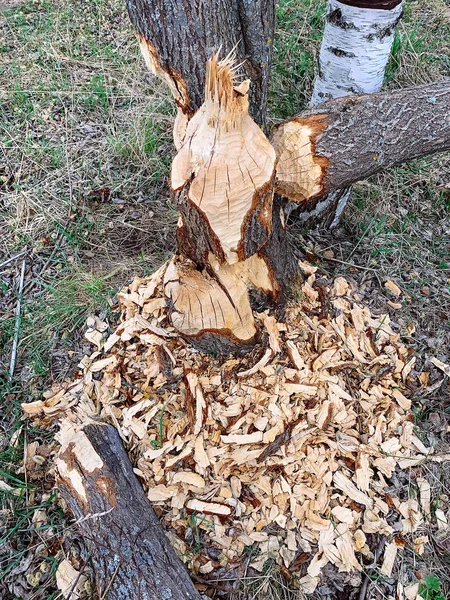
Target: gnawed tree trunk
341 142
130 553
177 38
232 254
223 178
355 50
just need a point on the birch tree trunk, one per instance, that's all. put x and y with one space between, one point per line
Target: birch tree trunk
355 50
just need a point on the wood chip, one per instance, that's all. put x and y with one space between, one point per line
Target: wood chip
303 434
344 484
208 508
189 478
390 554
393 288
250 438
425 494
444 367
69 581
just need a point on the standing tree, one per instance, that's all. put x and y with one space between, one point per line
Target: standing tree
232 253
355 50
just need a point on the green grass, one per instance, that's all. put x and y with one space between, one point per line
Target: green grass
297 38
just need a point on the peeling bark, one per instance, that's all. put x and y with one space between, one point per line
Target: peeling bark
131 555
355 50
177 38
359 136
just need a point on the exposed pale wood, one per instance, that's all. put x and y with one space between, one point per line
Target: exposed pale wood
203 308
231 240
225 168
355 137
305 441
131 555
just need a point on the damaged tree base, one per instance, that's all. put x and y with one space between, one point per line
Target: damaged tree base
282 455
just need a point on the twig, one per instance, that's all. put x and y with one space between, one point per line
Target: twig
363 236
343 262
103 596
6 262
12 364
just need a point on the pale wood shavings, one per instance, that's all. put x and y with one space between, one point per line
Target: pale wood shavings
288 449
390 554
444 367
425 494
393 288
69 581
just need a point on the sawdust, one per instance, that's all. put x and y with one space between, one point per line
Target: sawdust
283 452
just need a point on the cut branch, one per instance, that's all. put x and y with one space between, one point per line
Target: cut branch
343 141
131 554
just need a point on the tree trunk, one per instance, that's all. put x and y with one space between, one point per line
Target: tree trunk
231 242
232 254
338 143
355 50
130 552
178 37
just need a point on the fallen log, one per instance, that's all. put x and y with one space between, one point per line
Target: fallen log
338 143
131 555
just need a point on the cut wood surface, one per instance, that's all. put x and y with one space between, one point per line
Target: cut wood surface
351 138
288 450
131 555
231 240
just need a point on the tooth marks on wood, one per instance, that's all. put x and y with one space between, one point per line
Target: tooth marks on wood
300 169
225 166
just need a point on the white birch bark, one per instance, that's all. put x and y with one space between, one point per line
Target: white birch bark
355 50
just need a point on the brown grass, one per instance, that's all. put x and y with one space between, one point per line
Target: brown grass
79 114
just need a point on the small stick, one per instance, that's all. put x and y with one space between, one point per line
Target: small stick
103 596
12 364
6 262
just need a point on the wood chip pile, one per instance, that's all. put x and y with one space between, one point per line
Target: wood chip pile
277 455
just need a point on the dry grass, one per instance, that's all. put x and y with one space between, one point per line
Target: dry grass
85 147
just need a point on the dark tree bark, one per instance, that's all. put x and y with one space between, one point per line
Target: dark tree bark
131 555
181 36
378 4
341 142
